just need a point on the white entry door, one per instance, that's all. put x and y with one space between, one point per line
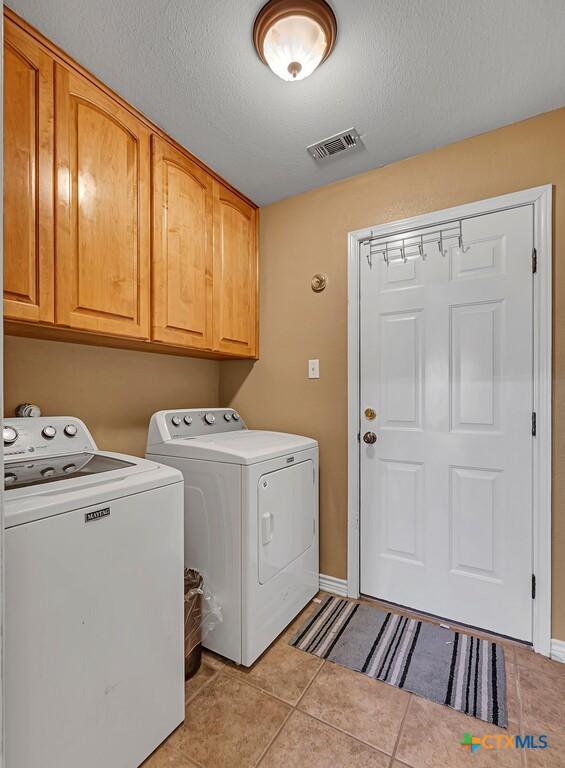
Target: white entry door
446 489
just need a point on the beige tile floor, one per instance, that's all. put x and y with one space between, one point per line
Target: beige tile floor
291 709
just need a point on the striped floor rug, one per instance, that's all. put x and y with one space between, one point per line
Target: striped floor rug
452 668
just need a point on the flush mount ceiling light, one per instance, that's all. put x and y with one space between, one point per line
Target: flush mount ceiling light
293 37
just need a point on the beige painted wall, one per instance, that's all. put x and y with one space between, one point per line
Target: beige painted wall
308 233
113 391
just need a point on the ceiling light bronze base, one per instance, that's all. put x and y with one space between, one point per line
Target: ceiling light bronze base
275 10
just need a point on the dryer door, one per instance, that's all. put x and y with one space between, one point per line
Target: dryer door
286 508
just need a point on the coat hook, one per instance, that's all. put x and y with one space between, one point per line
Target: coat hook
421 248
440 245
461 246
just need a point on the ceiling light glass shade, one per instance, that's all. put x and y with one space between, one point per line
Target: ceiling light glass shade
293 37
294 47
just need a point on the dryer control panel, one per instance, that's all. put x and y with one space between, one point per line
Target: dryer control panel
193 422
45 436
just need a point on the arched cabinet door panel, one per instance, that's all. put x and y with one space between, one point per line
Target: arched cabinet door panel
235 274
28 178
181 280
103 211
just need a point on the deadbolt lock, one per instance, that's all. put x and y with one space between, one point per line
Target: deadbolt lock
370 414
369 438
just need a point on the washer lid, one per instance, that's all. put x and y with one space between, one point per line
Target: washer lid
246 447
98 477
51 469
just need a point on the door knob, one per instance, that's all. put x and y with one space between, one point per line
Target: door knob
369 438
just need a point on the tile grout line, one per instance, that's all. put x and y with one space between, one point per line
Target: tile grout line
205 685
191 760
275 736
344 733
293 708
237 678
257 687
399 735
231 672
310 684
188 701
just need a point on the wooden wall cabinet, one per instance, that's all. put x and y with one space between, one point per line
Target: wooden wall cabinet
181 280
235 274
28 178
113 233
103 211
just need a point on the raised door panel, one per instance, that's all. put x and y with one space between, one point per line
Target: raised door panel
103 211
235 274
28 178
182 249
401 370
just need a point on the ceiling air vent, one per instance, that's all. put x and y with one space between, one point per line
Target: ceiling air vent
334 145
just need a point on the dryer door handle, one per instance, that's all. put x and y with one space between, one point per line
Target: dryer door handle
267 527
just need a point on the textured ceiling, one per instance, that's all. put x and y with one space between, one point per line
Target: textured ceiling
410 75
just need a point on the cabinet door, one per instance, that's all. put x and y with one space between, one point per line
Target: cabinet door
28 178
103 211
235 274
181 279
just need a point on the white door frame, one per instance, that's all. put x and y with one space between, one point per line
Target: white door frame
2 660
541 198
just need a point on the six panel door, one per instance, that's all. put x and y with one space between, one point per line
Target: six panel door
235 274
181 277
103 211
28 178
446 490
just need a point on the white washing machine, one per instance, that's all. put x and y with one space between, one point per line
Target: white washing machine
94 599
251 521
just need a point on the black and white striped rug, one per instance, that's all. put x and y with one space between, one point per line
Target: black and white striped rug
452 668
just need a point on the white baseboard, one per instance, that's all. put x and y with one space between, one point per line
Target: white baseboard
336 586
557 651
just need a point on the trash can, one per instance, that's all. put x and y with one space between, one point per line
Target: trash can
192 622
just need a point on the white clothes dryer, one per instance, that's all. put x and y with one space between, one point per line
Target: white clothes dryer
251 520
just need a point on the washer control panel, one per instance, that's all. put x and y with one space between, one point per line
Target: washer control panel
45 435
196 422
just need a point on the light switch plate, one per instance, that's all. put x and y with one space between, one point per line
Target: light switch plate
313 369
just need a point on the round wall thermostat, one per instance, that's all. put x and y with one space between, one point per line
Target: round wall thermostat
28 410
319 282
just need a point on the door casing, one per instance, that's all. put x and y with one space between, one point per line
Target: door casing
541 199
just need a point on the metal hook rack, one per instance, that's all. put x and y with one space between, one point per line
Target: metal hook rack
407 247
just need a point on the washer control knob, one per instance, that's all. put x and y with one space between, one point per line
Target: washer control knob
70 430
68 468
48 472
188 420
49 432
227 416
9 479
176 420
235 416
10 435
209 418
